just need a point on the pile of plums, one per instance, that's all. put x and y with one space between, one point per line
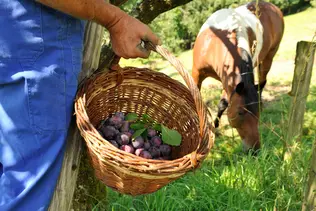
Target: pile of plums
117 131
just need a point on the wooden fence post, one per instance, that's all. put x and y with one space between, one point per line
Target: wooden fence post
300 88
309 203
64 191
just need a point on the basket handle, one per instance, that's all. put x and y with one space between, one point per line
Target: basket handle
206 141
201 109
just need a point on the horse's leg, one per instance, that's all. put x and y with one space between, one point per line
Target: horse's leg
264 69
198 78
263 75
222 105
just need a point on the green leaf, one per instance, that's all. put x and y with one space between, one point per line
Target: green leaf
141 121
147 118
137 126
157 127
171 137
138 132
145 133
131 117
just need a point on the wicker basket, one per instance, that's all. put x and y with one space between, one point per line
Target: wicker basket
167 101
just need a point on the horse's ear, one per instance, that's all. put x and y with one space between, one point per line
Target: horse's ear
260 86
240 88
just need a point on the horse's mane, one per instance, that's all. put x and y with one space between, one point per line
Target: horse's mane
247 77
248 19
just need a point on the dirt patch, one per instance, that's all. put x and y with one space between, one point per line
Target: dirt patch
278 80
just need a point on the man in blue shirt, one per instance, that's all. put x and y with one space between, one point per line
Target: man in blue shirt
40 58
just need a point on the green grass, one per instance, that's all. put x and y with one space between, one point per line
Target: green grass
229 179
300 26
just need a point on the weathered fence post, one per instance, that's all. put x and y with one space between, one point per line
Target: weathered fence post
309 202
300 89
64 192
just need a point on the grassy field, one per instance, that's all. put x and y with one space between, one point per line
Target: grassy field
229 179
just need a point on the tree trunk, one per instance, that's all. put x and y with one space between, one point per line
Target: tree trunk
300 88
147 10
63 196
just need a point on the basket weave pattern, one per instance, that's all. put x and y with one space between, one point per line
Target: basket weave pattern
143 91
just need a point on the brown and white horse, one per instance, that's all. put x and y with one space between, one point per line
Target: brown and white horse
224 50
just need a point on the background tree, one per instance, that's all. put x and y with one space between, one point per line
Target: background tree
178 27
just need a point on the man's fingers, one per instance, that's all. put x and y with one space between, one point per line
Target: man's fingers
133 52
142 51
150 36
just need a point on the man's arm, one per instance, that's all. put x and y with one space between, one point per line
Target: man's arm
126 32
96 10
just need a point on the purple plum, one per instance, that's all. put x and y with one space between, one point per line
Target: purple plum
114 143
122 139
138 142
151 132
120 114
146 145
109 132
145 154
138 151
154 151
128 134
155 141
125 126
128 148
165 149
116 121
105 122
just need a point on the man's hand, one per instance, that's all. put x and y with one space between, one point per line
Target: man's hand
126 32
126 37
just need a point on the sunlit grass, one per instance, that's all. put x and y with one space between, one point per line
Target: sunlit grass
299 26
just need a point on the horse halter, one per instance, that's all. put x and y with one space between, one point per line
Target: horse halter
244 107
245 73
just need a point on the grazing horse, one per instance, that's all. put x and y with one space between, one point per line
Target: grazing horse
228 47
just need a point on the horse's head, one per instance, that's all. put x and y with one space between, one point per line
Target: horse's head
243 114
243 108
